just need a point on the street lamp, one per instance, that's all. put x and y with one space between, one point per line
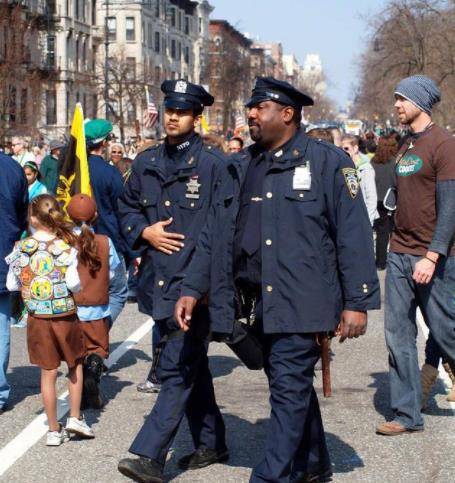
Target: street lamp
106 61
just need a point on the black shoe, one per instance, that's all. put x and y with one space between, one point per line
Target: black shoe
201 458
131 300
91 393
322 477
142 469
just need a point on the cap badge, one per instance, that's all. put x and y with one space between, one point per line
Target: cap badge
181 86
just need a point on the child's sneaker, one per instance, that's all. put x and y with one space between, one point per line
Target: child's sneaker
79 427
56 438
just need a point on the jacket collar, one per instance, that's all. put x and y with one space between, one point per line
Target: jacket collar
284 157
189 161
291 153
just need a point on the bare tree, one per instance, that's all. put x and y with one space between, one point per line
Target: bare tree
324 107
230 76
408 37
17 26
127 80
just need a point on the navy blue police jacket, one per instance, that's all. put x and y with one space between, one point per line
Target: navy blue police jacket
152 194
107 186
13 210
317 244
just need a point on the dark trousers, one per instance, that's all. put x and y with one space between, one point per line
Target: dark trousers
383 228
157 347
186 388
433 353
296 441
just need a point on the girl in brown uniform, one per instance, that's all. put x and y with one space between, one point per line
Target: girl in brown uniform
44 268
97 262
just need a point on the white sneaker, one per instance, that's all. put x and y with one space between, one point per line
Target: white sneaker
79 427
56 438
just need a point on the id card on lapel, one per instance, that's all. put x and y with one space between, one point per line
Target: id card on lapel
302 177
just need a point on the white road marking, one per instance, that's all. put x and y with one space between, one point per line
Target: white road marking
442 373
28 437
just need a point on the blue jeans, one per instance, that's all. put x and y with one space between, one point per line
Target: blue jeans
5 311
437 303
118 290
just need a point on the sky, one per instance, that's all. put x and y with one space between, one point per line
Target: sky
335 29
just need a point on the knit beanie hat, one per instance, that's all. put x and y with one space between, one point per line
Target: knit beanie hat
420 90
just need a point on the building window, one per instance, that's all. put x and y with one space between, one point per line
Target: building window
94 57
68 98
131 112
130 33
131 68
200 25
93 12
94 105
179 51
50 60
23 111
157 8
187 25
12 104
51 7
51 107
77 54
157 42
150 37
173 49
186 54
84 55
172 13
157 74
112 28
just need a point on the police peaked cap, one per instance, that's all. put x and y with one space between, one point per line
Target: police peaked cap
180 94
271 89
97 130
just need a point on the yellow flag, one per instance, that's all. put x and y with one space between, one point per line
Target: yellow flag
74 176
204 125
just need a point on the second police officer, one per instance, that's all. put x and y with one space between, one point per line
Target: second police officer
290 243
163 211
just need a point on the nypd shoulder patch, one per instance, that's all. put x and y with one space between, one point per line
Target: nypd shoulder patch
351 180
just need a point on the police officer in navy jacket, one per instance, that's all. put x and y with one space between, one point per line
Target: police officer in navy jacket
13 216
290 235
164 208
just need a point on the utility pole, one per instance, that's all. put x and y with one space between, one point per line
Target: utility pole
106 61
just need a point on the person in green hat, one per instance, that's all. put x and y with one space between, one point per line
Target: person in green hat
107 187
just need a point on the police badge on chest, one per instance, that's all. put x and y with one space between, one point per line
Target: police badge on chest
302 177
192 188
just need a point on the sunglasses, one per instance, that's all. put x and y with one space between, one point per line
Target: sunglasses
116 152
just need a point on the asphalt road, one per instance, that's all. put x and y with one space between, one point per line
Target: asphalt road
359 402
